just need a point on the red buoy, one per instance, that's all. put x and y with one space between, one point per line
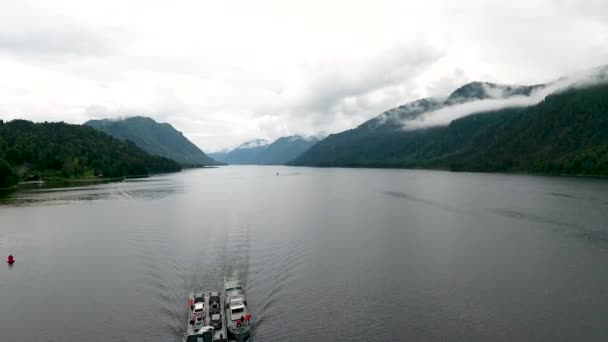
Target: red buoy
10 259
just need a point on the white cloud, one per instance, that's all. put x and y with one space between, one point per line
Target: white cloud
498 99
224 72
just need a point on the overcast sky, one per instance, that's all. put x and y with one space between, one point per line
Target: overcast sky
227 71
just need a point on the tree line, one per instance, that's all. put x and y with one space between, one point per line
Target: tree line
31 150
566 133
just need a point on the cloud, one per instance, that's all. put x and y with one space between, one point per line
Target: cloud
338 95
51 42
595 9
274 68
30 32
328 84
500 99
446 83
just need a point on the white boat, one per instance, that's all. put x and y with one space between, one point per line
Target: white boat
238 317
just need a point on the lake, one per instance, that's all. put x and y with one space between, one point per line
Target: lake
326 255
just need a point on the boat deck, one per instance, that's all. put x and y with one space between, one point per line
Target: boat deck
219 335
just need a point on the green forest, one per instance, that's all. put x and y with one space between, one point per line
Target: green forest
63 151
159 139
567 133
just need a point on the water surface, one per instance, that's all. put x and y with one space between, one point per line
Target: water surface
326 254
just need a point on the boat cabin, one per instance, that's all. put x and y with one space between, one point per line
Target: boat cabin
237 308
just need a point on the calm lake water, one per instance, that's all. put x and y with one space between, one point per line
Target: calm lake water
326 254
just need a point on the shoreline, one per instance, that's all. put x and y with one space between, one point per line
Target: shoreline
380 167
53 181
58 182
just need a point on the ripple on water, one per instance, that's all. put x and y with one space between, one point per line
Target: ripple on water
362 268
275 274
598 236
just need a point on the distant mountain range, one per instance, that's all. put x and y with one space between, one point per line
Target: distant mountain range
558 128
244 154
285 149
566 133
261 152
159 139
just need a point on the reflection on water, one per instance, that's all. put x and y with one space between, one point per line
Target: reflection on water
325 255
6 192
148 188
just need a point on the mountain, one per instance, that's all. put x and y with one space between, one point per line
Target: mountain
244 154
155 138
486 90
566 133
285 149
260 152
49 149
379 140
219 156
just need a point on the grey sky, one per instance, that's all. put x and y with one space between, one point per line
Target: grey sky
227 71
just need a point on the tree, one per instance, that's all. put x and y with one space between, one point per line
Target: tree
60 149
7 174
